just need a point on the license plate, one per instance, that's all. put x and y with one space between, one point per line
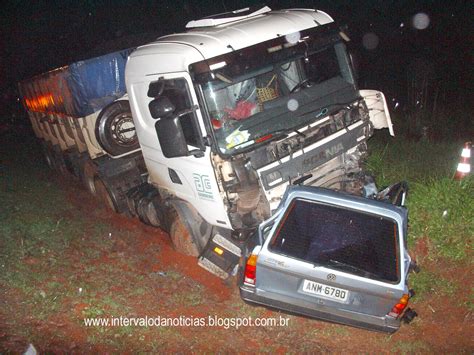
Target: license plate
334 293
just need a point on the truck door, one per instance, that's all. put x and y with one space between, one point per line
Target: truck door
190 177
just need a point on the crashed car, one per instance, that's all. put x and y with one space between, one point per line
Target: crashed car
332 256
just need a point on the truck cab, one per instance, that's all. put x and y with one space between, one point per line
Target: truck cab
239 107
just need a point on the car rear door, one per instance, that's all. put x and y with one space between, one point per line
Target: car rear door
335 253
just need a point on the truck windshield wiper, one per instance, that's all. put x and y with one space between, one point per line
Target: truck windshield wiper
265 138
278 133
284 132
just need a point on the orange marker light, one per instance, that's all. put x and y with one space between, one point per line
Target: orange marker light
218 251
43 103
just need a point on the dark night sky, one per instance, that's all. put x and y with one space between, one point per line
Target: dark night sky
37 36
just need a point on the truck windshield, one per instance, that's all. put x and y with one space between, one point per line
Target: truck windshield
253 96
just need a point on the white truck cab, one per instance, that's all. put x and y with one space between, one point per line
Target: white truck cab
243 104
200 133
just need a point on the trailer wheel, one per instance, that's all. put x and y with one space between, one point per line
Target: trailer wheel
49 158
181 237
60 164
89 176
115 130
104 195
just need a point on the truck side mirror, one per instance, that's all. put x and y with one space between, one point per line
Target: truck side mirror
171 137
161 107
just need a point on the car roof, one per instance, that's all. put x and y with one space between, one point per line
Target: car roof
342 199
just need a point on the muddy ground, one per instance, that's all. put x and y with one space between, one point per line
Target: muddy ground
90 263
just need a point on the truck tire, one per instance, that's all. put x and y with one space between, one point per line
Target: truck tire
49 158
89 175
141 210
154 215
181 237
104 195
115 130
60 163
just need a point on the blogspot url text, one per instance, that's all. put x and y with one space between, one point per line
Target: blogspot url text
186 321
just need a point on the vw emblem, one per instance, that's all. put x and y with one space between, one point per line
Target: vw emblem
331 277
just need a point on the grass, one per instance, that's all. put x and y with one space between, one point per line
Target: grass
440 209
426 283
410 347
396 159
58 265
192 297
469 303
334 330
40 231
443 211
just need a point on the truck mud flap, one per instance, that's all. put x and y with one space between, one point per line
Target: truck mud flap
220 256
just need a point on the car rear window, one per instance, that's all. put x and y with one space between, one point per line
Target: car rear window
343 239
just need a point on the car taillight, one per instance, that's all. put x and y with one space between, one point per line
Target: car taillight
250 270
397 310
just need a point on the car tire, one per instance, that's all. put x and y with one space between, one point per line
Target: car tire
115 130
181 237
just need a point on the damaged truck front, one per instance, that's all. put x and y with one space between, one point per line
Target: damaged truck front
201 132
239 107
206 131
285 111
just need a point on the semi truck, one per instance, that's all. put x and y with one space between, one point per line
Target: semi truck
200 133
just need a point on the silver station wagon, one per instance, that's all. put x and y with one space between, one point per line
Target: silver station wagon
331 256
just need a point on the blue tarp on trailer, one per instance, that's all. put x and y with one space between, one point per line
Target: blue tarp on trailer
79 89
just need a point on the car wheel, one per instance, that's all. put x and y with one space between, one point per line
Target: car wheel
115 130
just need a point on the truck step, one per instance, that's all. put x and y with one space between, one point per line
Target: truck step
220 257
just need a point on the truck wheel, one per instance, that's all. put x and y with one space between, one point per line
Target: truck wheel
60 164
49 158
181 237
153 214
115 130
104 194
89 176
